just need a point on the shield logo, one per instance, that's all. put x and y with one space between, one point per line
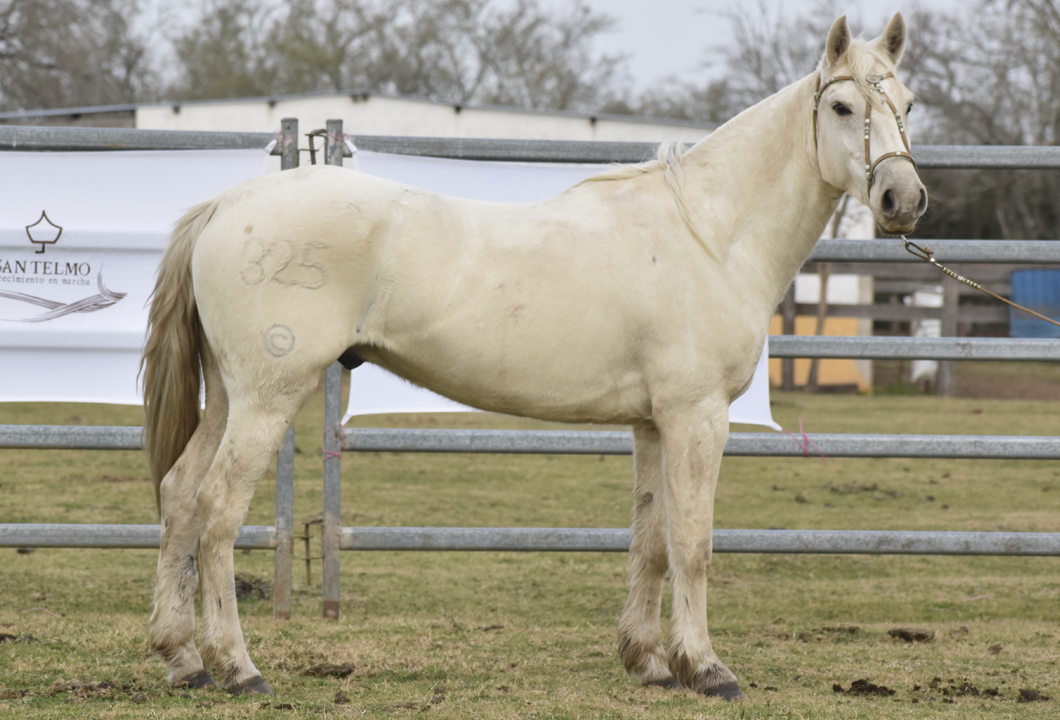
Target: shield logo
43 232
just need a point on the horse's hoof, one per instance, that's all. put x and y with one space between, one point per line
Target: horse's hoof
730 691
253 686
670 683
199 680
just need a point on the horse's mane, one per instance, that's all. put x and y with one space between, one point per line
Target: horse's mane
668 161
858 61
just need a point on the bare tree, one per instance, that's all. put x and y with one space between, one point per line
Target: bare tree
223 54
765 51
460 51
990 76
714 102
66 53
770 50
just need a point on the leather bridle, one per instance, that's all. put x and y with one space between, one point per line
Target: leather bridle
875 82
922 252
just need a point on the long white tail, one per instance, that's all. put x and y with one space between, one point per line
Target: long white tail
172 359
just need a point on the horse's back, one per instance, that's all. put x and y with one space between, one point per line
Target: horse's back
554 309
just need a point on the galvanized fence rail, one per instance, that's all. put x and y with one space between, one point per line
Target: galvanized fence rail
469 539
602 442
58 139
280 536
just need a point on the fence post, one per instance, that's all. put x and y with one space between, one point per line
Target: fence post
289 140
951 298
787 310
330 530
281 584
282 571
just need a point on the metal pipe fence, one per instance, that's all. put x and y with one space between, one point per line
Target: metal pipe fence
600 442
59 139
465 539
280 537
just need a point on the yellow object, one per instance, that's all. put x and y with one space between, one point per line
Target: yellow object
829 372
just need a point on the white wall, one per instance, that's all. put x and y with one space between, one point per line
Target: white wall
379 115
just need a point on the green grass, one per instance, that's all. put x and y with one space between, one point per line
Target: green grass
532 635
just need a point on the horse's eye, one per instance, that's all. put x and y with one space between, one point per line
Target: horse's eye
909 109
840 109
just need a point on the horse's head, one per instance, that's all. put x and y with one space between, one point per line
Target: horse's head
860 125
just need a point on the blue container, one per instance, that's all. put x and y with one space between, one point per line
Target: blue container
1038 290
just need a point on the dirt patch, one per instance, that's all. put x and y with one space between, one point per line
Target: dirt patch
911 634
5 637
81 690
251 587
829 632
853 489
1028 695
951 689
863 687
277 706
328 670
840 630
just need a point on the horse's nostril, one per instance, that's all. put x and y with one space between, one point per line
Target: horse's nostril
921 206
888 204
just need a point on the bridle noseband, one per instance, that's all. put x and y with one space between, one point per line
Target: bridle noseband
924 253
875 81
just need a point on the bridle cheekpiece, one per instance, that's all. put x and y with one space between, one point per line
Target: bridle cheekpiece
876 83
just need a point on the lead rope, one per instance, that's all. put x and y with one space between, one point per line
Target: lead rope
925 253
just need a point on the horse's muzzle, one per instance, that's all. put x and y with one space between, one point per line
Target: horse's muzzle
898 200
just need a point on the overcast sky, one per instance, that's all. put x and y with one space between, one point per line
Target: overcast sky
674 37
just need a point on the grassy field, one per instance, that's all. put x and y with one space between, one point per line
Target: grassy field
507 635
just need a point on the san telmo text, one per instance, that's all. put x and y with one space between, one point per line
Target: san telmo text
40 271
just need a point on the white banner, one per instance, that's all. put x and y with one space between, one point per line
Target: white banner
81 236
374 390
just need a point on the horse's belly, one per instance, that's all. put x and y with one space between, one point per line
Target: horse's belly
533 377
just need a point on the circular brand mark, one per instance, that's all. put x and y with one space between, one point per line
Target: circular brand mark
279 340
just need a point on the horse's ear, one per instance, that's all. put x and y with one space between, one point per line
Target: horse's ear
892 41
838 41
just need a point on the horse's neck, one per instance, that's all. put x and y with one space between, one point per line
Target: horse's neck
757 193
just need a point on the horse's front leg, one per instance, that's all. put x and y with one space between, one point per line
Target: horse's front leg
639 638
693 439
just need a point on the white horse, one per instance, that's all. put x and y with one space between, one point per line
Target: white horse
641 297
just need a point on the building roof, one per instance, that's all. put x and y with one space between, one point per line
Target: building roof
131 108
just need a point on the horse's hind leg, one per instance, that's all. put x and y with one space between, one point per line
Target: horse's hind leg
639 639
173 618
259 415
